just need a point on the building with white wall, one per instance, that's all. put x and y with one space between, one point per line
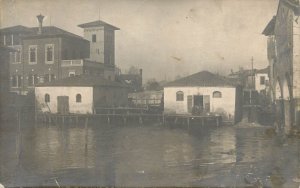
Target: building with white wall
206 92
79 95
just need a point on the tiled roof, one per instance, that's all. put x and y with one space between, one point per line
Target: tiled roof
51 31
269 30
204 78
265 70
16 29
84 81
98 23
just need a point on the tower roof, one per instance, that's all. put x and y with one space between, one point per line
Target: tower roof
98 23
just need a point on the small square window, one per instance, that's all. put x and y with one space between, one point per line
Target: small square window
94 38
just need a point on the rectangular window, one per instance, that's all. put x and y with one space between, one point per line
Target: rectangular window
18 56
32 79
8 40
16 81
49 53
32 54
94 39
262 80
49 77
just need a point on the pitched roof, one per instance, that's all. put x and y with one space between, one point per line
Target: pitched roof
98 23
84 81
16 29
269 30
203 78
51 31
265 70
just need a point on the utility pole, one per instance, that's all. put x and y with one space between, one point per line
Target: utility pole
252 80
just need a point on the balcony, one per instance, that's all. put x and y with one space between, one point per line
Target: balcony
72 63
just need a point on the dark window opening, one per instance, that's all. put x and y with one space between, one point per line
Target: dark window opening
262 80
49 52
78 98
217 94
179 96
32 55
94 39
47 97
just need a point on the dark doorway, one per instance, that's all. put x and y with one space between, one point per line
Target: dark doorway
63 104
198 100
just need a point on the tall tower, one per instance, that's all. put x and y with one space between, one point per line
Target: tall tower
102 41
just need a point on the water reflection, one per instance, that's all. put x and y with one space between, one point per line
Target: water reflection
143 156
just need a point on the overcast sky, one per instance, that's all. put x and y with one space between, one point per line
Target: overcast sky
164 37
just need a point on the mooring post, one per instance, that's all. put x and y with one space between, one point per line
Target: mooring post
217 121
76 119
108 120
188 122
63 120
140 120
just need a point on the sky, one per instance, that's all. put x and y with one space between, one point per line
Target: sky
165 38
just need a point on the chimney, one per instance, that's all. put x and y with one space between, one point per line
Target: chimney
40 19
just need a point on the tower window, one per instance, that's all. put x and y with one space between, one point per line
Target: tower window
94 38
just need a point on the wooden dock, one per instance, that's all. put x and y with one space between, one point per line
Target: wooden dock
130 115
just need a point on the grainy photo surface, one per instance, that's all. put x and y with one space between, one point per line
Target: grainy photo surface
149 93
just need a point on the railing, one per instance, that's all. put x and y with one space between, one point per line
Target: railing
69 63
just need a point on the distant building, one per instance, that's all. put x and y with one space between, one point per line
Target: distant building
262 81
80 95
47 53
203 93
146 98
283 32
133 81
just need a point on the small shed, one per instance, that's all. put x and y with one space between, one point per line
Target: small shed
204 93
80 95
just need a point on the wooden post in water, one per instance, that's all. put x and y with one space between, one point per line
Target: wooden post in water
140 120
175 122
86 140
217 118
108 120
63 120
188 122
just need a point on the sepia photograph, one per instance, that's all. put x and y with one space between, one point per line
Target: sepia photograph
150 93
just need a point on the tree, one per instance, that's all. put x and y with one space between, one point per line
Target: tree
152 84
133 70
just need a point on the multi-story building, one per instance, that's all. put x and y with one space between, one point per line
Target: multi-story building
283 32
45 53
102 45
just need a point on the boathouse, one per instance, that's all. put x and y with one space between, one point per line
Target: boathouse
204 93
80 94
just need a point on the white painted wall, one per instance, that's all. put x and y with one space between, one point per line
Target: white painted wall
225 105
86 105
258 86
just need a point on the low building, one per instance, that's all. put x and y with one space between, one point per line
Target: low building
203 93
79 95
262 81
146 98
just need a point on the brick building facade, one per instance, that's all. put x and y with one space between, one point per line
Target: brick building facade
46 53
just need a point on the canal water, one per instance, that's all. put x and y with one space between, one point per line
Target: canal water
149 155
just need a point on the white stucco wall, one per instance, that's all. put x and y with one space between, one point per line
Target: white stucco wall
86 105
225 105
258 86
